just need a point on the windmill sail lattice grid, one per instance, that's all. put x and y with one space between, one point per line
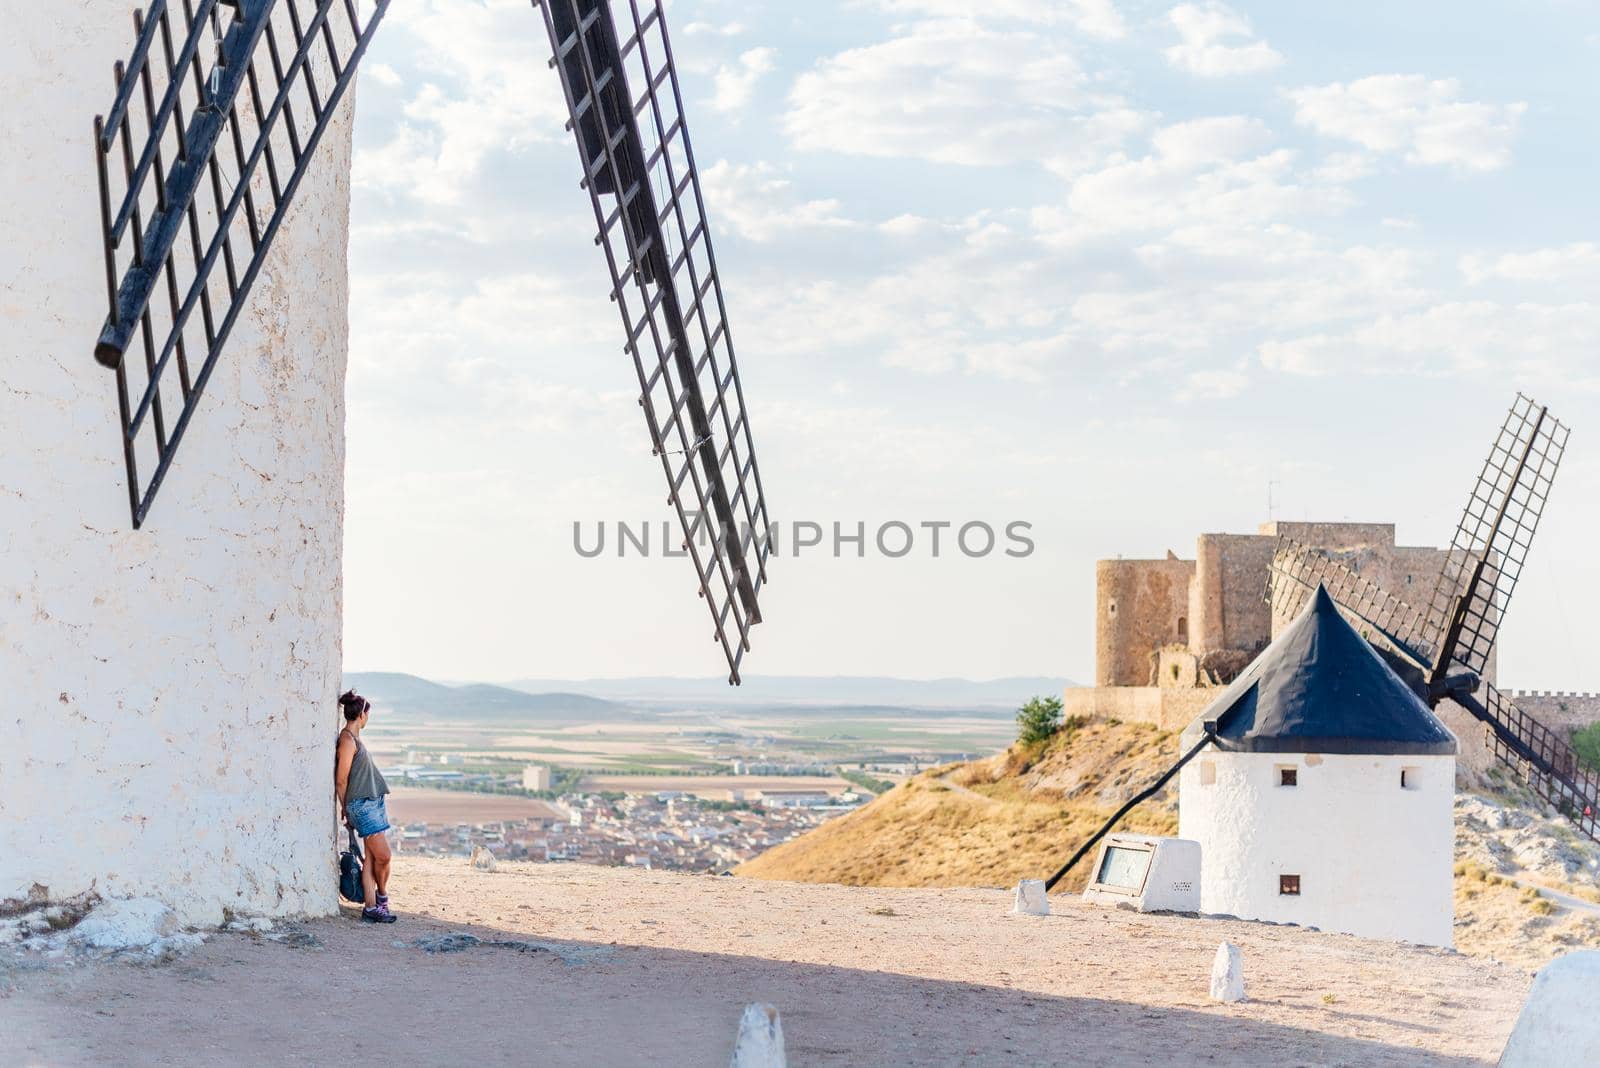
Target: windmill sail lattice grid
1541 757
213 124
626 110
1451 642
1491 542
1298 569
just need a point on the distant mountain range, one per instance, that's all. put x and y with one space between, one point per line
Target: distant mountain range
411 695
813 690
592 700
620 699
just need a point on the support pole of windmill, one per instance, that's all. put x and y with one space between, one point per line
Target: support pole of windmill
1210 738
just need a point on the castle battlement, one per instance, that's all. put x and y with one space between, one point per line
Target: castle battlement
1213 607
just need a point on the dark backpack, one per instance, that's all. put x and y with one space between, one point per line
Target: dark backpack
350 871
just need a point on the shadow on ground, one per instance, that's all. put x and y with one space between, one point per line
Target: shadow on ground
340 990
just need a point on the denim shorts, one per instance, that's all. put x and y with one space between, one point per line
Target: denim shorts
368 815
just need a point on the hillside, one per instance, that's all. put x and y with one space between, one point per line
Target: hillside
1527 885
990 822
410 695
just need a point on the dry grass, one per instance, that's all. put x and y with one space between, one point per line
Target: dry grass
1519 924
1021 814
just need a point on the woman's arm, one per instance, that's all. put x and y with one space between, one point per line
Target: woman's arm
343 757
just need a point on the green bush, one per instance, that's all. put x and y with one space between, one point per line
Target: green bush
867 782
1038 720
1586 743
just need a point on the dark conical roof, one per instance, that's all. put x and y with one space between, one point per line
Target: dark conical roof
1320 688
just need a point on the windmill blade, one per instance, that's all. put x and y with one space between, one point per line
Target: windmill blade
626 107
1491 541
1298 569
208 97
1540 756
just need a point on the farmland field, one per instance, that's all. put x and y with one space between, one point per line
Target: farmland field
712 787
413 805
480 738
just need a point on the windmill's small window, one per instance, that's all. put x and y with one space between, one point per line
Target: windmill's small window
1183 630
1289 885
1288 776
1112 608
1410 778
1208 773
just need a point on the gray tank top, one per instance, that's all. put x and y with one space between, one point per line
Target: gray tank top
365 778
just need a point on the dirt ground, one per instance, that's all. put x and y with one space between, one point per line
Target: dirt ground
615 967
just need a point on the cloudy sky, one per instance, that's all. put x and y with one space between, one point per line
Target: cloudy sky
1120 270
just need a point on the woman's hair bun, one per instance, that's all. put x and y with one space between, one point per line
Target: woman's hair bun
353 704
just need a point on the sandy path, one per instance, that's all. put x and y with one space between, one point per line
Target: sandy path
660 965
1561 897
949 783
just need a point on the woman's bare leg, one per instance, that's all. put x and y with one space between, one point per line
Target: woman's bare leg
369 882
378 857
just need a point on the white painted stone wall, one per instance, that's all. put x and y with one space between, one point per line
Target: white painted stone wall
1373 859
167 697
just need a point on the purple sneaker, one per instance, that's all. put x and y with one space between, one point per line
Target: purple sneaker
379 914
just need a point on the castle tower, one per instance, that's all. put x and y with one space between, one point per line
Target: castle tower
169 694
1328 799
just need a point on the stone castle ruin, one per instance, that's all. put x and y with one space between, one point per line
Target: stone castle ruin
1185 623
1168 632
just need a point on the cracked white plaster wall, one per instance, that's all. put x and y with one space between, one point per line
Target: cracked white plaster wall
167 696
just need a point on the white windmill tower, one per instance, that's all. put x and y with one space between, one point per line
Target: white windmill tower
1327 798
170 690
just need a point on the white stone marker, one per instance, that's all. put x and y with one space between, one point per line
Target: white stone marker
760 1040
1227 974
1031 899
1558 1024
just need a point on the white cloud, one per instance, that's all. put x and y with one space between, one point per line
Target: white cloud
1424 121
906 225
758 204
383 74
478 94
1095 18
725 29
1545 343
1217 383
1217 42
736 82
1577 262
1207 174
955 91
